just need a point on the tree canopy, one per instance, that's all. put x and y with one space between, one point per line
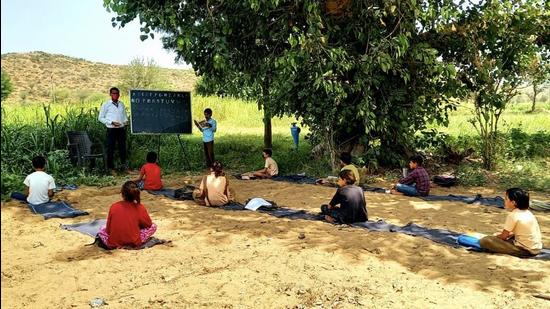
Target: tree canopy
492 45
141 74
351 70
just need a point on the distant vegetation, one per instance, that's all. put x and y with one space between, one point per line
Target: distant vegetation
6 86
43 77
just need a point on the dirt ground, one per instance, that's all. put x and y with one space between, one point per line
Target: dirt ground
226 259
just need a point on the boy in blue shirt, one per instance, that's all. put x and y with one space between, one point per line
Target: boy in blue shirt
208 127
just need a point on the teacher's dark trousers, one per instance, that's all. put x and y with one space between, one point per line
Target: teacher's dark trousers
116 136
209 153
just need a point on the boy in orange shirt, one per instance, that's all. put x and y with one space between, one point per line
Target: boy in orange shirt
149 174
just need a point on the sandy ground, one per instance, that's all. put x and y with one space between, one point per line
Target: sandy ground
225 259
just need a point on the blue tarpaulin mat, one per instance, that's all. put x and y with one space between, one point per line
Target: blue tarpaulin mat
59 209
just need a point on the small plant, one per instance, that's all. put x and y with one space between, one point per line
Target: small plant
59 165
472 175
10 183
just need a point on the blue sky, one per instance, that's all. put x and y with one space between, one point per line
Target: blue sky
77 28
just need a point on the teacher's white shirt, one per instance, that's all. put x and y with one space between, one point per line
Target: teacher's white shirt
109 112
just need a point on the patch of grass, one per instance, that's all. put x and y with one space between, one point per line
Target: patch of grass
471 175
516 115
527 174
10 183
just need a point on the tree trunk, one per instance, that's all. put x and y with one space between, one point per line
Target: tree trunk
268 141
534 98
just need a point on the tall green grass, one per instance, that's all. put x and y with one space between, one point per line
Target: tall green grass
234 116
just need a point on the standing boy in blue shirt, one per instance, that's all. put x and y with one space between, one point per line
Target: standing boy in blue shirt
208 128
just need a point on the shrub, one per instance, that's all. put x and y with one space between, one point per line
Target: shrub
528 174
7 86
10 183
471 175
524 145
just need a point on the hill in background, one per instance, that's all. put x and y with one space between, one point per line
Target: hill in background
36 75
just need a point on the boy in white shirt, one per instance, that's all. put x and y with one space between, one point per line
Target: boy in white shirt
40 185
521 234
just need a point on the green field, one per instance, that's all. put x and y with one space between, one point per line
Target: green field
236 116
515 116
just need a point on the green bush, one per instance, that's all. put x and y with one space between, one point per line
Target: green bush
525 145
527 174
6 84
471 175
10 183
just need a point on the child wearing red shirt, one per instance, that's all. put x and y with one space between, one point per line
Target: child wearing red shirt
128 223
150 173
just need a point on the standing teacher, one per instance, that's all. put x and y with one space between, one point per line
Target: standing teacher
208 127
113 116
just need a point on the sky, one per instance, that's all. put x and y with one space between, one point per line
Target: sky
76 28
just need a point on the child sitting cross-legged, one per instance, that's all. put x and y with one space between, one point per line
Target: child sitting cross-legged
150 175
521 233
270 169
128 222
345 164
417 182
214 188
348 204
39 185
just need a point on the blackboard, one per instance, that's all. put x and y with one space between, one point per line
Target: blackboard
160 112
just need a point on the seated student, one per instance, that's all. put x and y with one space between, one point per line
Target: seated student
345 164
214 188
150 171
521 234
39 185
417 182
351 198
271 169
128 223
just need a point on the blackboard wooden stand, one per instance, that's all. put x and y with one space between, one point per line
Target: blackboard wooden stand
183 151
185 157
